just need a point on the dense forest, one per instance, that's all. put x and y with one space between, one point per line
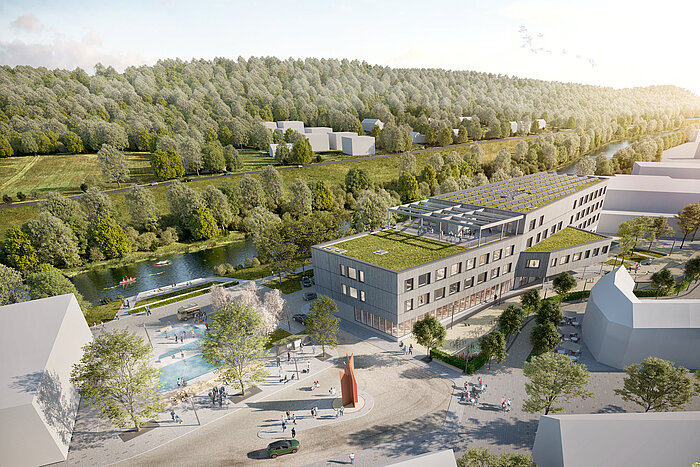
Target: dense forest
185 105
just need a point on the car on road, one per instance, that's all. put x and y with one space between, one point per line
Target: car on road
299 166
306 281
310 296
153 184
185 180
283 446
300 318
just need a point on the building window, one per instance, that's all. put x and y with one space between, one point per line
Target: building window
605 249
408 305
541 220
469 282
577 257
532 263
471 263
440 274
564 259
539 236
529 242
342 269
533 222
361 275
508 267
424 279
497 255
571 221
423 299
509 251
439 293
481 278
587 255
454 288
362 295
455 269
559 225
596 251
353 292
343 289
495 272
407 285
352 273
483 259
575 203
554 262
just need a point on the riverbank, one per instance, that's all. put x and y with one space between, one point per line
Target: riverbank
172 249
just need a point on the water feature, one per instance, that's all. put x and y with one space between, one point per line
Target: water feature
188 368
99 283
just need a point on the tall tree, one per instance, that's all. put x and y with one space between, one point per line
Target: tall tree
530 300
663 281
563 283
12 288
300 198
493 346
116 374
429 333
5 147
54 240
321 196
96 205
692 268
322 324
110 238
250 193
167 164
233 159
218 205
544 337
658 385
113 163
357 180
191 154
301 152
511 320
235 345
407 163
142 208
657 228
202 224
19 250
371 210
408 187
554 379
213 157
274 187
627 239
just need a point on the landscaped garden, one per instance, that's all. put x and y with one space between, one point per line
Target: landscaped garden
289 284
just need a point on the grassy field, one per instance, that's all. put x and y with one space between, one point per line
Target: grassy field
289 284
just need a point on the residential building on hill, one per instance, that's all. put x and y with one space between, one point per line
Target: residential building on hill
458 250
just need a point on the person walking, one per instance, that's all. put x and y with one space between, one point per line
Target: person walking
410 349
284 425
352 458
279 363
178 419
294 418
289 357
308 366
172 414
294 433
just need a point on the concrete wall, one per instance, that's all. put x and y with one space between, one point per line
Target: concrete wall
335 139
319 141
358 145
293 124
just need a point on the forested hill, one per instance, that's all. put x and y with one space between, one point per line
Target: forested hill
59 110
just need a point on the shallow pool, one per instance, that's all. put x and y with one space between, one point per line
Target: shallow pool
187 329
188 368
189 346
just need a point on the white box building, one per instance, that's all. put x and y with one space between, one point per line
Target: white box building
295 125
319 141
682 170
273 148
40 341
335 139
417 138
620 329
270 125
368 124
358 145
318 129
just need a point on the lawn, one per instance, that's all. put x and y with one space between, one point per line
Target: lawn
160 297
289 284
179 298
264 270
63 172
565 238
403 250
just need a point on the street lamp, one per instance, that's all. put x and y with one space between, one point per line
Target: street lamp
195 410
149 337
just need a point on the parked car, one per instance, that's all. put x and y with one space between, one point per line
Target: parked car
299 166
310 296
186 312
185 180
306 281
153 184
283 446
300 318
646 262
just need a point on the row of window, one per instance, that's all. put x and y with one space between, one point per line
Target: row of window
590 221
590 196
352 292
584 212
442 312
456 268
455 287
535 263
533 223
352 273
544 234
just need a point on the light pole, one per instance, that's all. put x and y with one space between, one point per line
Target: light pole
195 410
296 366
149 337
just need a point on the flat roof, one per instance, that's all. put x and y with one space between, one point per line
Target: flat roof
28 331
394 250
522 194
565 238
660 183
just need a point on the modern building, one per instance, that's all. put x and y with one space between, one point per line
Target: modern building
417 138
272 149
319 141
358 145
40 341
272 126
368 124
620 329
676 169
318 129
458 250
445 458
295 125
620 439
335 139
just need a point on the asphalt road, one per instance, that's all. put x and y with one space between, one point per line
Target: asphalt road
293 167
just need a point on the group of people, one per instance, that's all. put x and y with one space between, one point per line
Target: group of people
181 381
200 317
406 348
287 418
472 395
218 394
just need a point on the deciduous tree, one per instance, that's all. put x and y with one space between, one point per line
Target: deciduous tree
357 180
544 337
113 163
300 198
554 379
19 251
493 346
322 324
563 283
274 187
110 237
202 224
12 288
167 164
54 240
663 281
408 187
511 320
142 208
429 333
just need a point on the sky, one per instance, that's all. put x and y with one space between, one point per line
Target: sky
618 43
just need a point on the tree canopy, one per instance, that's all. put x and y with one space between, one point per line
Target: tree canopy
554 379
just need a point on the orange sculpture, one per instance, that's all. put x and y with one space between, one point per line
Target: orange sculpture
348 385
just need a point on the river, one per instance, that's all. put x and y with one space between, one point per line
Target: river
99 283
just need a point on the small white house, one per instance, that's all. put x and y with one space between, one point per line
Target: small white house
542 122
455 132
295 125
417 138
461 119
319 141
368 124
358 145
335 140
273 148
272 126
513 127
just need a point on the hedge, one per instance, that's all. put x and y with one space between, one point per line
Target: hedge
447 358
475 364
179 298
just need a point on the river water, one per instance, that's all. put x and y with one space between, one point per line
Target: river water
97 284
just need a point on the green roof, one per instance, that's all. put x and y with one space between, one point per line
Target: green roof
402 250
565 238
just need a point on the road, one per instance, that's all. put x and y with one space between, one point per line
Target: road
294 167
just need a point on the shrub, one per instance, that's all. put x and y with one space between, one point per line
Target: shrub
447 358
319 158
248 262
21 196
256 262
84 187
35 194
6 199
475 364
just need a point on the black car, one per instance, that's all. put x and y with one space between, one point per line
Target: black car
300 318
310 296
306 281
185 180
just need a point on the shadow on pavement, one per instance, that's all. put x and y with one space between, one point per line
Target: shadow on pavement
258 454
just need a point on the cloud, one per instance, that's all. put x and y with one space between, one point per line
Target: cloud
92 38
27 22
66 54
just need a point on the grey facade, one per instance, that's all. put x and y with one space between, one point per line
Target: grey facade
358 145
335 139
392 300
